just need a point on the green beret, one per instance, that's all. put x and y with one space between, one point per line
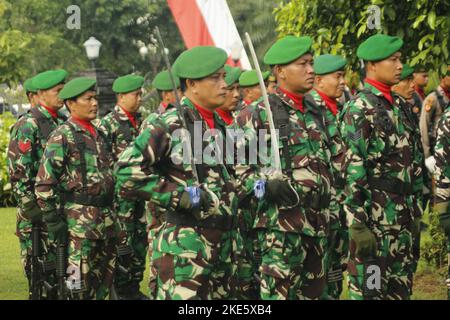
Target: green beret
328 63
162 81
76 87
250 78
199 62
29 86
232 75
127 83
287 49
49 79
379 47
406 72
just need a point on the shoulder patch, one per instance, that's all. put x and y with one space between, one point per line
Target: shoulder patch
24 146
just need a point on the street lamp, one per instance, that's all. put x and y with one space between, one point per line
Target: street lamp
92 47
236 52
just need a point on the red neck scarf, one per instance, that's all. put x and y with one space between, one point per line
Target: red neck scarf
131 117
52 112
297 98
86 124
207 116
447 93
225 115
247 102
383 88
329 102
420 92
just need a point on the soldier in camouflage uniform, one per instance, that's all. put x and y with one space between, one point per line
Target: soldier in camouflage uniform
328 87
442 154
405 90
75 188
379 168
121 127
420 80
155 214
293 215
227 111
28 139
192 251
249 85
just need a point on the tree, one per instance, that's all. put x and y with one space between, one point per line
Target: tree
340 26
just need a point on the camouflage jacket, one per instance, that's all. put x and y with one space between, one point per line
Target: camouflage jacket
153 169
26 146
337 148
378 149
119 130
419 178
61 173
442 156
160 110
311 158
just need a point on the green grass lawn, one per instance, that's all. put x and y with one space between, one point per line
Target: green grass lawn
428 282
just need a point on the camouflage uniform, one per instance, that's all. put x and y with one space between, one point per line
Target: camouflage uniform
82 188
155 214
192 255
433 107
120 132
292 241
379 167
420 174
28 139
442 155
337 253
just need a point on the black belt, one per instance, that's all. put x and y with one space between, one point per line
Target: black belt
225 223
392 185
87 199
315 201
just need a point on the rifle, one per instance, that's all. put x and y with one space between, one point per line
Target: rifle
35 283
194 191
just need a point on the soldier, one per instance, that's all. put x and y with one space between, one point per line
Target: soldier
249 84
31 92
227 111
433 107
292 217
379 172
442 155
192 252
420 78
405 90
163 85
121 127
29 137
75 188
329 85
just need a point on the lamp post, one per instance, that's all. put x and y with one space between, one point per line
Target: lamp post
92 47
236 52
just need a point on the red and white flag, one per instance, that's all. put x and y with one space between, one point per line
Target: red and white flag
209 23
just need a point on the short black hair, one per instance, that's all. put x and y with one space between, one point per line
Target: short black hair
183 85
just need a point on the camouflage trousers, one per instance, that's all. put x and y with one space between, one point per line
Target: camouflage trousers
134 222
394 262
292 265
92 264
155 218
47 250
249 259
194 263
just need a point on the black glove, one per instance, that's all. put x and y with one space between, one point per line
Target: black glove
32 212
57 226
186 204
366 244
282 193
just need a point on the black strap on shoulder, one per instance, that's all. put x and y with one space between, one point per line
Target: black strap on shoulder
281 121
81 147
319 117
124 128
190 127
441 101
44 124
